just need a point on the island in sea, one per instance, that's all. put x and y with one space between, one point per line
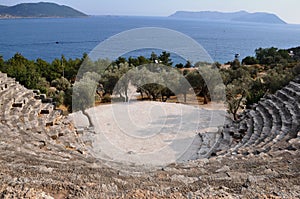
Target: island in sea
38 10
241 16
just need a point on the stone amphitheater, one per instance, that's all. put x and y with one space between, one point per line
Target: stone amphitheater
42 155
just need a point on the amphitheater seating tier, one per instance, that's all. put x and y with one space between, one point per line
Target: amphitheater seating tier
26 120
272 124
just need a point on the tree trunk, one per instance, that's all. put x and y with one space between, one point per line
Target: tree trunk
235 117
126 94
121 97
89 118
153 97
205 100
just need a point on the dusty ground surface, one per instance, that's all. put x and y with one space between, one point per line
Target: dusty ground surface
147 132
35 165
274 175
43 156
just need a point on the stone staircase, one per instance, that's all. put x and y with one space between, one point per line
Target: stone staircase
26 120
272 124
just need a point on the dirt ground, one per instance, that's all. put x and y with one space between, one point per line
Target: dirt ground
35 165
274 175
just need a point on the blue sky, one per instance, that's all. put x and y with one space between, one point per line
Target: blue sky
288 10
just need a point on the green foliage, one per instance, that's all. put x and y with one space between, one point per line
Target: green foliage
23 70
155 80
268 72
68 99
153 57
59 97
256 91
271 55
152 90
42 67
84 93
179 66
196 81
40 74
113 80
277 78
213 87
165 59
120 60
188 65
155 77
42 85
138 61
71 68
231 74
235 94
296 53
296 70
1 63
217 65
249 60
61 84
42 9
235 64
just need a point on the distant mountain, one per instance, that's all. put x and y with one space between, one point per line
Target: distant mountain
41 9
242 16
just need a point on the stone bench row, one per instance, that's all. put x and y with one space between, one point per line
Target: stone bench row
282 126
275 118
32 114
4 85
28 116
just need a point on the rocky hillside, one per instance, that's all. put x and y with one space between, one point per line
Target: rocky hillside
41 9
42 155
242 16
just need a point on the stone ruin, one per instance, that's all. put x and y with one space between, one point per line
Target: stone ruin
29 115
272 124
33 134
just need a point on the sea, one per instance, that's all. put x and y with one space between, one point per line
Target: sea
50 38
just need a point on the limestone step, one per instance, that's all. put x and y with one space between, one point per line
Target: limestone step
258 126
276 126
267 125
295 86
297 79
292 93
293 108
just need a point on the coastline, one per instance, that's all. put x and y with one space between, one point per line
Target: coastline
8 17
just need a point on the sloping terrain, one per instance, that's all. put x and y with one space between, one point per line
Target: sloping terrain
241 16
151 133
42 155
41 9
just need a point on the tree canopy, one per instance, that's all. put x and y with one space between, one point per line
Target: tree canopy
156 78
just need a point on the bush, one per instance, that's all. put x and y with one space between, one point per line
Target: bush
249 60
296 70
